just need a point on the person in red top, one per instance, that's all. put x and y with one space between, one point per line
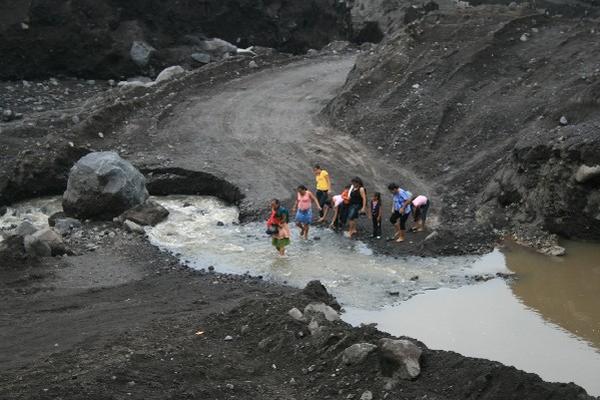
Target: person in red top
277 226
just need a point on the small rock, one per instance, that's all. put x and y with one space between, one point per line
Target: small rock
563 120
220 223
244 329
201 58
148 213
66 225
132 227
229 386
432 236
24 26
586 173
314 328
141 52
169 73
367 395
524 37
253 64
555 251
404 354
296 314
321 308
357 353
416 86
44 243
513 5
75 119
90 82
26 228
101 135
228 338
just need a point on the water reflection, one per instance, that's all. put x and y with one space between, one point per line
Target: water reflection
564 290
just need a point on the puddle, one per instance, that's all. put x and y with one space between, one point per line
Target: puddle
546 322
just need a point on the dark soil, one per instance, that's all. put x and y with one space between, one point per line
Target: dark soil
122 321
472 101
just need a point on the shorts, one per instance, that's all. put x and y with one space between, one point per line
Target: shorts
323 198
280 243
353 211
304 216
396 216
421 212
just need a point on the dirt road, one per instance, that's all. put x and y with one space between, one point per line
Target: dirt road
262 133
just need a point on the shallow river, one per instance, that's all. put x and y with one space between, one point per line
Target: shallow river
547 321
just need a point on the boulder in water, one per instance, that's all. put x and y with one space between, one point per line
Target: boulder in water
149 213
101 186
26 228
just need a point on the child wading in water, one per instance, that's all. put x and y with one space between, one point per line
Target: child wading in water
376 213
277 226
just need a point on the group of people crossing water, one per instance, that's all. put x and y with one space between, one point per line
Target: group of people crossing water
346 208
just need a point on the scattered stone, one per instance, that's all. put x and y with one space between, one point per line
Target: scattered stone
64 226
586 173
322 309
141 53
26 228
228 338
253 64
555 251
524 37
404 355
148 213
24 26
314 328
75 119
132 227
563 120
357 353
101 135
229 386
44 243
56 216
90 82
10 115
218 48
220 223
102 186
169 73
244 329
432 236
201 58
296 314
367 395
512 6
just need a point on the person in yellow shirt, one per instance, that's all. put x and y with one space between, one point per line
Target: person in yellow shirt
323 187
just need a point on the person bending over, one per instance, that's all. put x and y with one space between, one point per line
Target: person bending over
401 209
420 205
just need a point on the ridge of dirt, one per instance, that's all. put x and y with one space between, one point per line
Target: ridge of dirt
495 107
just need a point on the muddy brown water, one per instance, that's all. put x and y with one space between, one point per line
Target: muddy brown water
547 321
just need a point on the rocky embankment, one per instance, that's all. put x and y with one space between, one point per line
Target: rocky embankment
497 107
113 39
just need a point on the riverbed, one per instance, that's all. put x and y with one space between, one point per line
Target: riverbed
544 320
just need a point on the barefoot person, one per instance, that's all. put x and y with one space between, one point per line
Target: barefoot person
277 226
401 209
357 206
303 209
420 205
323 187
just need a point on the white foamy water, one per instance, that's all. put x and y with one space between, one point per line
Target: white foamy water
349 269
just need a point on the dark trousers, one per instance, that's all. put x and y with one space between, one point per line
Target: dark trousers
376 227
323 199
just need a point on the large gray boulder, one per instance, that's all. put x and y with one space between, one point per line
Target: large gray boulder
102 186
404 355
44 243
